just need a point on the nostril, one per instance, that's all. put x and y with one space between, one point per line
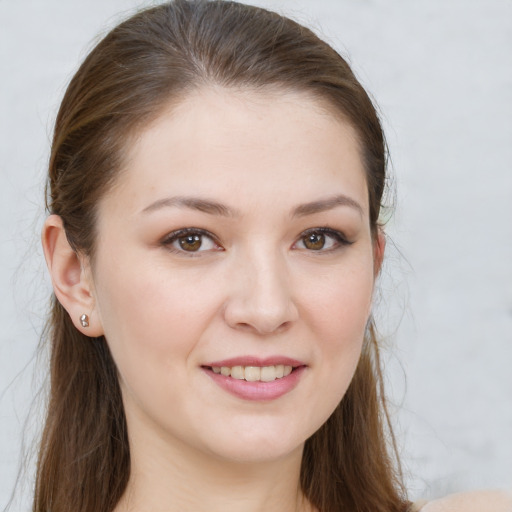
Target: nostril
260 309
262 328
242 326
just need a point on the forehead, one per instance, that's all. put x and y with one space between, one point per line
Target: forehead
244 144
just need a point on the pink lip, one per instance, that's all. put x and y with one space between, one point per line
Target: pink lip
257 391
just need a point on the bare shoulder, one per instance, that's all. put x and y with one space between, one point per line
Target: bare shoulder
478 501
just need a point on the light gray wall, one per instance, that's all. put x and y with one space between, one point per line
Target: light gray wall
441 73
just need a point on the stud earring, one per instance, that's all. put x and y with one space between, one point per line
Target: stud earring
84 320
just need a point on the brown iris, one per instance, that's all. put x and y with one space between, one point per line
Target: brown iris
314 241
190 242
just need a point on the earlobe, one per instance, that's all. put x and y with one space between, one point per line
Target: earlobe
71 280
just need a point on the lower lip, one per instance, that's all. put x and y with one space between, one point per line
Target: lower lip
257 391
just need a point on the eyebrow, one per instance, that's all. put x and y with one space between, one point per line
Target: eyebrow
216 208
194 203
326 204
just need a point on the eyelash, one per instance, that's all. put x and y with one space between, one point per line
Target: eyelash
173 238
339 239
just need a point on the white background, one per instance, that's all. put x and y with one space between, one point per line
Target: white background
441 73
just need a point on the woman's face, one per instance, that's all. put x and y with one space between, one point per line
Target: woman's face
236 241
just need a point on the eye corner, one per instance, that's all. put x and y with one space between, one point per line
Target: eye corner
201 241
322 240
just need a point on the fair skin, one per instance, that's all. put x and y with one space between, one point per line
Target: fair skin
255 176
276 269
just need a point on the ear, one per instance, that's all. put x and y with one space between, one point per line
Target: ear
71 277
378 251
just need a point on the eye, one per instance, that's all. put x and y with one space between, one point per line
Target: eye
321 239
191 240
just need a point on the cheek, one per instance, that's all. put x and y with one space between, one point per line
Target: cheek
151 317
339 303
339 313
153 322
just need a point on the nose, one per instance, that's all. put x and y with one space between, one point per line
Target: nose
261 298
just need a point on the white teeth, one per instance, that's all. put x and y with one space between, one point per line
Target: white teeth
237 372
254 373
268 373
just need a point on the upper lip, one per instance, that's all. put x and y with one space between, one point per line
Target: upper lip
257 361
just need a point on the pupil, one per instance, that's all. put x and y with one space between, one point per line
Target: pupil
190 242
315 241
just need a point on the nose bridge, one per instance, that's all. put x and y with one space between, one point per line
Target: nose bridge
261 298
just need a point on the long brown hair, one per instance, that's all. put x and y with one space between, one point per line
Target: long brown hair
156 57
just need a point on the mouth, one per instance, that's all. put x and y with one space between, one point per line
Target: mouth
254 373
253 378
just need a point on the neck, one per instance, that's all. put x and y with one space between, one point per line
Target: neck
167 477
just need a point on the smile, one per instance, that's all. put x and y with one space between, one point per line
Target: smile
253 378
254 373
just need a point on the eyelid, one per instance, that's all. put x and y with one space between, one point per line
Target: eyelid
168 240
340 239
173 236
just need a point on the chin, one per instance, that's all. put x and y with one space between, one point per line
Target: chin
259 443
256 453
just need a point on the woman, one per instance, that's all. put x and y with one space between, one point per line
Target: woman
213 241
